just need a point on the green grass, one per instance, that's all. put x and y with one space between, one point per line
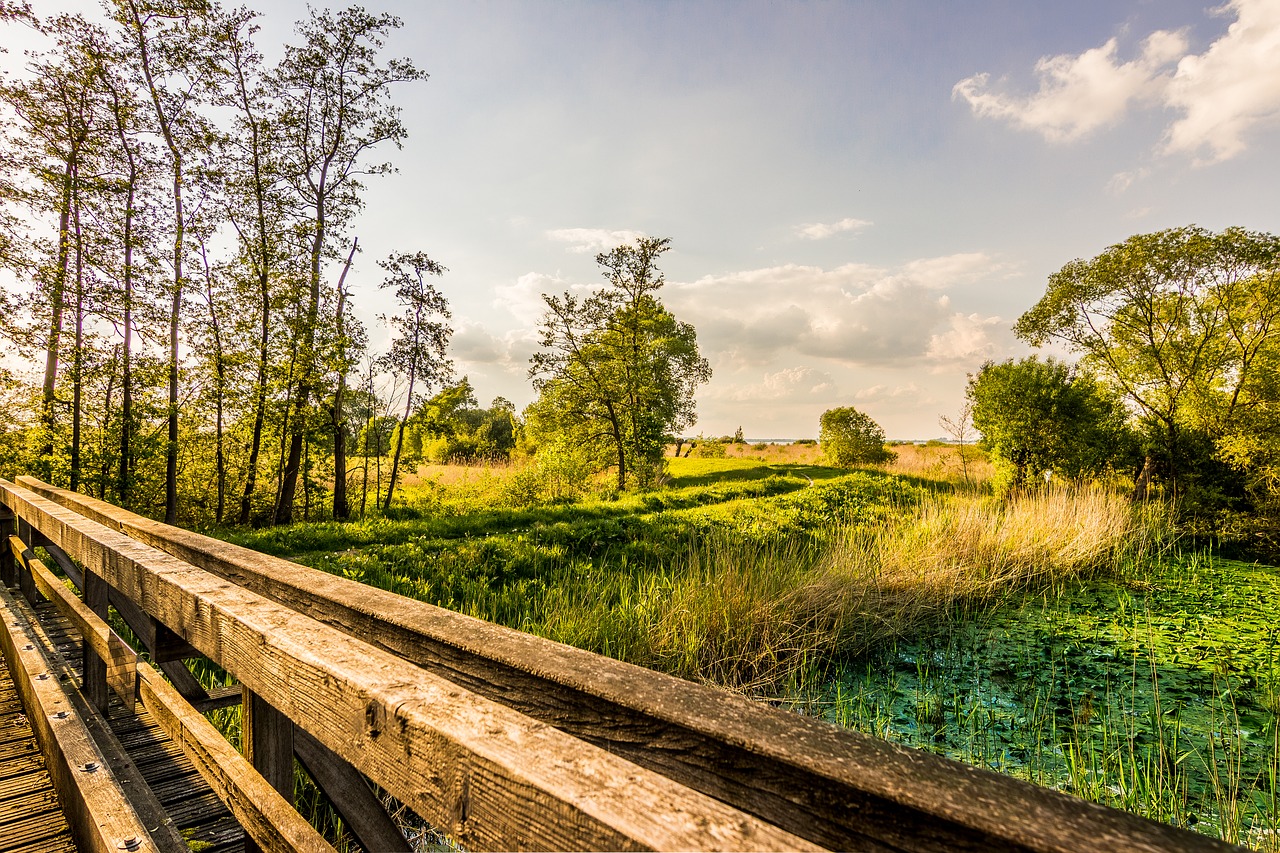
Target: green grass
1031 636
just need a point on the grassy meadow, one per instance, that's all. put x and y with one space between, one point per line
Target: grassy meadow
1061 636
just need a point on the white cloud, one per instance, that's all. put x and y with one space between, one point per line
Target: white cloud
1079 94
1233 86
523 298
856 314
585 240
967 338
882 393
820 230
789 385
1221 95
1121 181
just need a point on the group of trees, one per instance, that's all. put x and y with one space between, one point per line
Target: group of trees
173 211
1178 338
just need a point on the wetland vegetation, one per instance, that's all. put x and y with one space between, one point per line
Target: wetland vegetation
1064 636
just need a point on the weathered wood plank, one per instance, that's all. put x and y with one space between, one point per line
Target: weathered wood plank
488 775
93 662
221 697
118 661
267 738
363 812
829 785
98 809
8 571
266 816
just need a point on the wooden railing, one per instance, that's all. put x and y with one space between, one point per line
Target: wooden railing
501 739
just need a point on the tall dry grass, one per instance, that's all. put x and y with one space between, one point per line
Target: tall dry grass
755 617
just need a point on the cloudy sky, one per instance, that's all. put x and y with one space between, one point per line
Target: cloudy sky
862 197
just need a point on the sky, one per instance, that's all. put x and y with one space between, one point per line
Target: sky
862 198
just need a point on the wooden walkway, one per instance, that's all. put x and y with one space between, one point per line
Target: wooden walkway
501 739
30 817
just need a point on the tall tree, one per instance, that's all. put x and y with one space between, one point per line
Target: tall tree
173 43
56 107
617 369
1176 320
422 335
335 108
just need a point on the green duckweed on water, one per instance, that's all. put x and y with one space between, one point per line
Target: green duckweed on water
1159 694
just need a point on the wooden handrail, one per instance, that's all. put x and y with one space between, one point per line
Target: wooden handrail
488 775
831 786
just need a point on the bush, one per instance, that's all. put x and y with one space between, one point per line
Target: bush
850 438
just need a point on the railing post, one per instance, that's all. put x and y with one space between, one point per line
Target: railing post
267 739
8 576
93 668
25 582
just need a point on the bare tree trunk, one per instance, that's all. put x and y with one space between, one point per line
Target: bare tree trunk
77 364
341 509
57 288
104 476
395 460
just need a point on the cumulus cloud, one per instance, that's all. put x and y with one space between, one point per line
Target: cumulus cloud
884 393
789 385
523 297
856 313
585 240
1220 95
822 230
1233 86
966 338
1079 94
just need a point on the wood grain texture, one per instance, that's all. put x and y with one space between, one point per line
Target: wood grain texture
118 661
265 815
8 573
488 775
363 812
97 807
267 738
831 786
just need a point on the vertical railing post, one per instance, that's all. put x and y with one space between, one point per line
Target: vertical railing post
8 575
267 737
25 582
93 668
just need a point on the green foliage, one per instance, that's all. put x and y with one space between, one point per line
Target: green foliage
1183 323
1038 416
850 437
617 371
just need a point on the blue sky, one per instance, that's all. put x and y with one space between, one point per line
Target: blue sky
861 197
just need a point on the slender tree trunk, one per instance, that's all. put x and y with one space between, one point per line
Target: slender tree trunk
289 481
77 363
219 390
341 508
126 354
57 289
104 475
395 460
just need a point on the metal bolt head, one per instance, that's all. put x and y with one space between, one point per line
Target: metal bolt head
129 843
61 715
44 676
90 767
28 647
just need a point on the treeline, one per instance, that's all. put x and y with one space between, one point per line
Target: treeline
176 218
1178 378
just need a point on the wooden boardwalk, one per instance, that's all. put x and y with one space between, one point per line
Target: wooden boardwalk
501 739
30 817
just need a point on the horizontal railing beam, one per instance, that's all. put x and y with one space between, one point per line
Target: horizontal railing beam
832 786
487 775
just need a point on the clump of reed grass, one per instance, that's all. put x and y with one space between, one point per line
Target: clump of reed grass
754 617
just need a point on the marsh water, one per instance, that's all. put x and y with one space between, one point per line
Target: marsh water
1157 694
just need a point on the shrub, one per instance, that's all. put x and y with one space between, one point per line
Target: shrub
850 438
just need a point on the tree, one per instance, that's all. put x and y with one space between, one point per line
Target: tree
336 108
617 372
1038 416
1180 321
422 335
850 437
